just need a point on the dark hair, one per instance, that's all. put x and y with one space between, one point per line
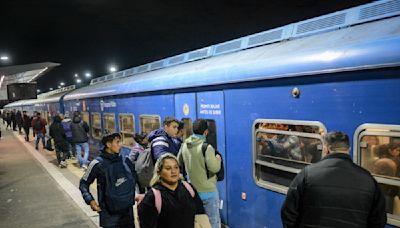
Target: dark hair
76 113
337 141
37 113
181 125
109 138
200 126
169 119
140 137
393 145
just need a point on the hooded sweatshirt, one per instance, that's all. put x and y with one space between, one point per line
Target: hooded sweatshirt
58 134
162 143
191 156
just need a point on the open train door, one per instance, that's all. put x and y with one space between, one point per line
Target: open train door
210 106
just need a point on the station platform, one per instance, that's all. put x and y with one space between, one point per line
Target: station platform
35 192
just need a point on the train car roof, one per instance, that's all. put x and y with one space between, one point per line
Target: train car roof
44 100
365 46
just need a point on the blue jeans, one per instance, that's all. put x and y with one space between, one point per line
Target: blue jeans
39 135
79 147
211 206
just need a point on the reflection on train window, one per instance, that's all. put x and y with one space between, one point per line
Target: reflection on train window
96 125
282 148
127 128
378 149
149 123
187 128
85 117
109 123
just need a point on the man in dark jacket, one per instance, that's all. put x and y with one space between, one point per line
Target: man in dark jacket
60 141
97 170
334 192
80 138
14 120
162 139
26 124
39 128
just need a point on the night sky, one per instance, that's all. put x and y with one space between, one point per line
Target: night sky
89 35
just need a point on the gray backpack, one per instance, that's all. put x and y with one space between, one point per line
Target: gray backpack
144 167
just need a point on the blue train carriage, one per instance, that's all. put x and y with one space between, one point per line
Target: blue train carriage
48 104
327 73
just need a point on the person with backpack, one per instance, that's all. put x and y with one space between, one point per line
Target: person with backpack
116 180
66 123
39 128
26 124
60 141
202 168
80 138
171 202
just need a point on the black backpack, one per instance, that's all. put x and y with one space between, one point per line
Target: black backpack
221 173
120 185
38 124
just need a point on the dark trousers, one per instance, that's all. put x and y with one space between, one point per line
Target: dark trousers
61 154
14 125
26 129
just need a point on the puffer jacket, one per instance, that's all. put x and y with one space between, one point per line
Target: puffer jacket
162 143
334 192
79 130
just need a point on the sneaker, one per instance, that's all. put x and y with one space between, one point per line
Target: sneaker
63 164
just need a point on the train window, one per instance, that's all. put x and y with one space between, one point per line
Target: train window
149 123
109 122
281 148
85 117
96 125
377 149
127 128
187 128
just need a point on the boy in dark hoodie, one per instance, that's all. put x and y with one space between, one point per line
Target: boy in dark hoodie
60 141
102 168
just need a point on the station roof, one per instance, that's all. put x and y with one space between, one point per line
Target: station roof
22 74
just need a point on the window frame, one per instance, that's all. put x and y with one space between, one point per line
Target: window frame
255 162
147 115
105 122
380 130
92 128
120 127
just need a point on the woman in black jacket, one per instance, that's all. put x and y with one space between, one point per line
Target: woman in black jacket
178 207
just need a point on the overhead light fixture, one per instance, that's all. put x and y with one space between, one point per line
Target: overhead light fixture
78 80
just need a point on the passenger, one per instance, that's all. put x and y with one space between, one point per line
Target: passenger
334 192
18 117
8 120
80 138
178 139
60 141
32 118
66 122
14 120
26 123
140 144
39 128
371 140
103 169
178 207
192 159
286 146
162 139
387 167
391 151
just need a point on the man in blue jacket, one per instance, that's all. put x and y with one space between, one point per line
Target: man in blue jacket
162 139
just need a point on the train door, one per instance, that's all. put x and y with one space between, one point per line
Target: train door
210 106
